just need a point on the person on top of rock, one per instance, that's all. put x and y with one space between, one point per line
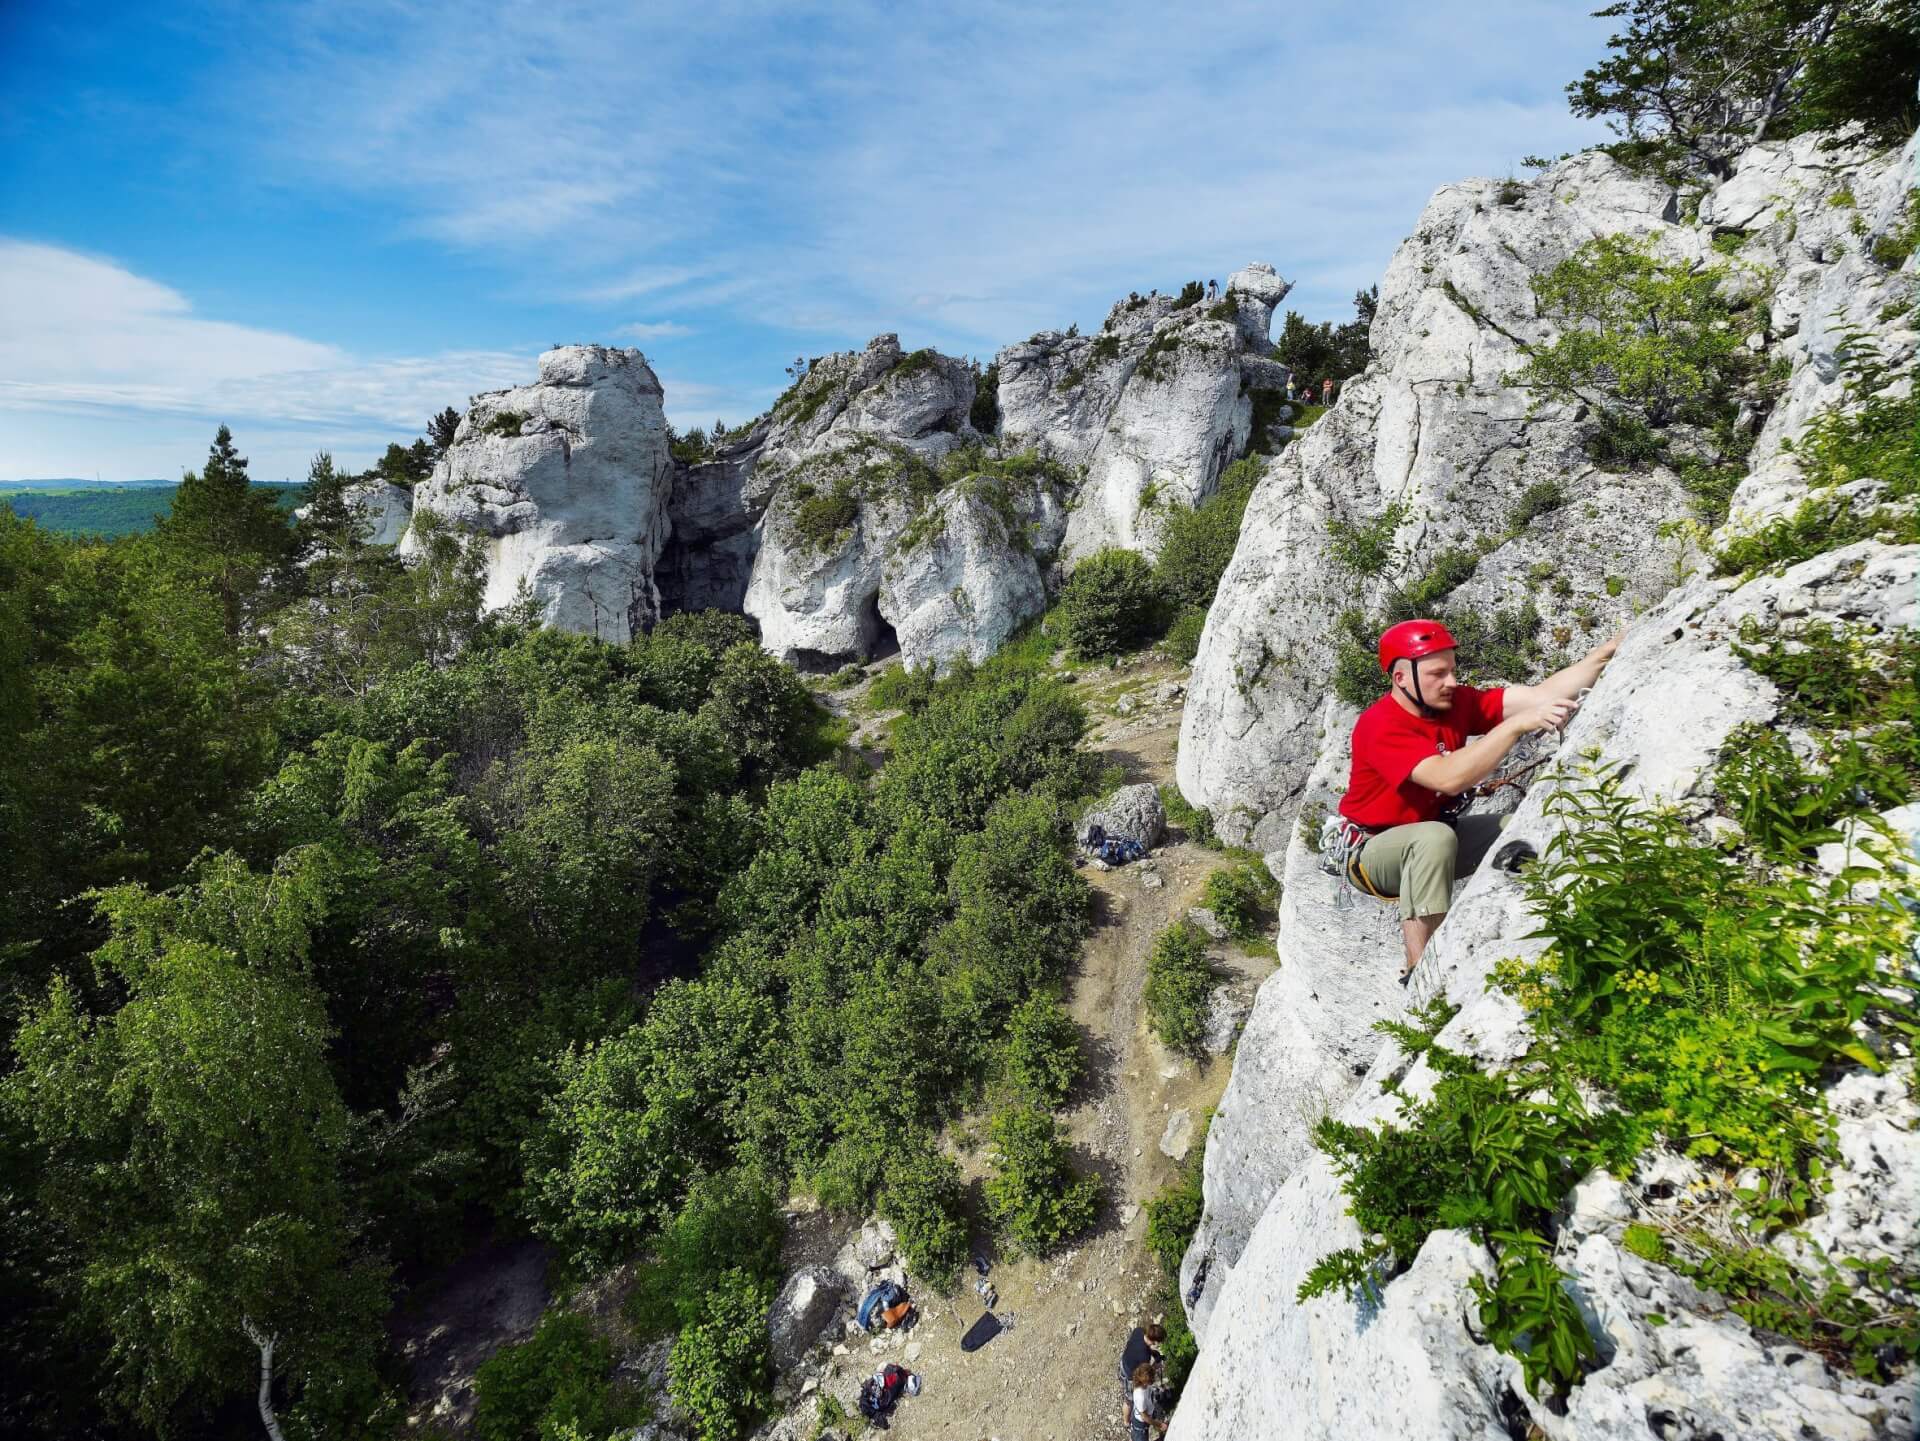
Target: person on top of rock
1213 290
1413 760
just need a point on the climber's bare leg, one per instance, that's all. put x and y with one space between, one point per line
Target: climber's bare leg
1416 931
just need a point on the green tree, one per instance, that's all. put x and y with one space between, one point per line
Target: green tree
192 1141
231 534
1043 1051
925 1200
441 430
720 1373
1691 83
1648 339
337 634
1034 1195
1109 604
435 609
554 1384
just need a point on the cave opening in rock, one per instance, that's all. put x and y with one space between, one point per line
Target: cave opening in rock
886 644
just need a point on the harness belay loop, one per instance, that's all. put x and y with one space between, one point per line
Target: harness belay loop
1340 844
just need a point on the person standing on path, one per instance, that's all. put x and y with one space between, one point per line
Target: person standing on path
1142 1349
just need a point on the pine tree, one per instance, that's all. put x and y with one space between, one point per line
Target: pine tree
233 534
440 430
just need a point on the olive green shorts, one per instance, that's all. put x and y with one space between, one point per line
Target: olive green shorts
1418 863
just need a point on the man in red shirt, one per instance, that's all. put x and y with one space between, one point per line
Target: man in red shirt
1429 740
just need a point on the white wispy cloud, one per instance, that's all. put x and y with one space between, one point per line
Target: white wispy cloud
652 330
86 336
975 171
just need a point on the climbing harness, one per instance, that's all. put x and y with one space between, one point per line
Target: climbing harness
1341 841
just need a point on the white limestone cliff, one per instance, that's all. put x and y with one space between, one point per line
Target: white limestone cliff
566 482
1430 422
1150 410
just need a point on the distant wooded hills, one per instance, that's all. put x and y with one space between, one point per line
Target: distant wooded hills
107 508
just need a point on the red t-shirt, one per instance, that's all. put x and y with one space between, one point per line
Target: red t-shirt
1388 743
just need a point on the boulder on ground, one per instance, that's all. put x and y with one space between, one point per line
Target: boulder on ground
1132 813
805 1307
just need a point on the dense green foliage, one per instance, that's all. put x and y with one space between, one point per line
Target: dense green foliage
554 1386
525 928
111 511
1109 604
1240 896
1034 1195
1180 981
1325 351
1650 335
1687 84
1197 544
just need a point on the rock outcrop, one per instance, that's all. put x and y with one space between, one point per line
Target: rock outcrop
1263 1354
1150 410
566 482
1429 416
1432 429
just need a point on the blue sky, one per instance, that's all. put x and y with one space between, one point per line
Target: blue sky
320 223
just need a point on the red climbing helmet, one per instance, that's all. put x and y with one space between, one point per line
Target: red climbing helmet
1412 639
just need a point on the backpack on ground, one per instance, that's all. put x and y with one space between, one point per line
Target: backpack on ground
1114 850
887 1293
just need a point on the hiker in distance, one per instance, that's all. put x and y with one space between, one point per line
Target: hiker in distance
1413 765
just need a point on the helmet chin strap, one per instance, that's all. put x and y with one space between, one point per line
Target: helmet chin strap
1413 670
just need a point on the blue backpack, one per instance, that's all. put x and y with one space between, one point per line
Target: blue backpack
878 1299
1114 850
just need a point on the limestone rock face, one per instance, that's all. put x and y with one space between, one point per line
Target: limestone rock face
842 486
567 482
1151 409
965 584
1262 1354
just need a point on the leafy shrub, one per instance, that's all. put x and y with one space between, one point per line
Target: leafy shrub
1893 248
730 1221
1192 293
1239 896
765 710
1109 604
1653 337
1873 434
720 1373
1165 344
1197 544
1183 636
1174 1215
985 414
924 1199
505 422
1367 548
558 1377
1196 821
824 518
1537 500
1180 981
1034 1195
1105 347
1042 1054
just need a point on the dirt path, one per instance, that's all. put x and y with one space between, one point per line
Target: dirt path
1054 1375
